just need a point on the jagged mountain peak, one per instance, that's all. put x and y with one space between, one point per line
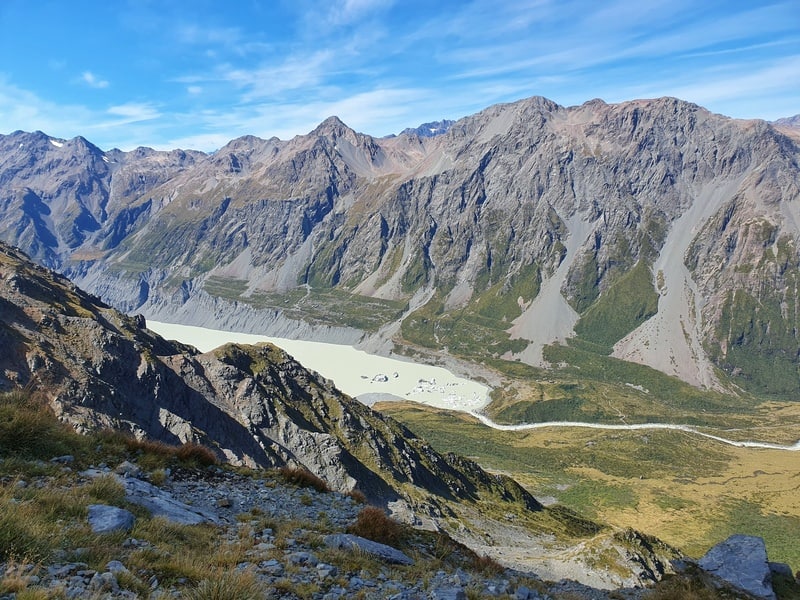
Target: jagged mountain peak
431 129
333 127
487 213
791 121
790 126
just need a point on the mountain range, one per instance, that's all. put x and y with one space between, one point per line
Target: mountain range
651 231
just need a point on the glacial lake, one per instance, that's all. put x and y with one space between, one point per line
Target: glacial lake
364 376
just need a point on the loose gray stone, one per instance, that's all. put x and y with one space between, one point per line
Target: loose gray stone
449 593
302 558
114 566
741 560
105 519
347 541
106 582
128 469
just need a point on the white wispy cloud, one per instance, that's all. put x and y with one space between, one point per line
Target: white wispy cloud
343 12
726 85
93 80
133 112
22 109
192 33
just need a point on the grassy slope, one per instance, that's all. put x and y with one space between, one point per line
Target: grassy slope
686 490
45 520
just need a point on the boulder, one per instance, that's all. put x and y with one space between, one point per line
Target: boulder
106 519
741 560
162 504
347 541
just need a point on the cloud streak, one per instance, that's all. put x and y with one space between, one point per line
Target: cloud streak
93 81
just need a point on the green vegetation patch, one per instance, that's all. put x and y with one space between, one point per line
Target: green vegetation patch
694 405
416 274
463 331
780 531
501 301
591 497
621 308
550 454
225 287
326 306
762 342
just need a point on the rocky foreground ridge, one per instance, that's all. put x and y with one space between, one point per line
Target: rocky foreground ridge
153 527
651 230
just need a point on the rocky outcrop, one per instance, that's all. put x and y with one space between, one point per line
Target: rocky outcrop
354 543
741 560
108 519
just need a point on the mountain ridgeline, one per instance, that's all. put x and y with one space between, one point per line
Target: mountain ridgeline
652 231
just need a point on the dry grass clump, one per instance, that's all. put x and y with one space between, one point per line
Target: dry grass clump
304 478
22 530
30 430
357 496
108 489
16 577
155 454
374 524
487 565
228 585
191 452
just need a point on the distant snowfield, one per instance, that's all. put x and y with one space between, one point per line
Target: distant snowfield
363 376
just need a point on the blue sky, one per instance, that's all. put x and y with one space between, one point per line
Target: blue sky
195 74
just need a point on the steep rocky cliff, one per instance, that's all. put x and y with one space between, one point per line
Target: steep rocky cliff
253 404
651 230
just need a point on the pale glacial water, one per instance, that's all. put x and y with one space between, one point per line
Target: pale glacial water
364 376
369 378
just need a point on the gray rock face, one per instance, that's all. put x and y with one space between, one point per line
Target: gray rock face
741 560
162 504
347 541
107 519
